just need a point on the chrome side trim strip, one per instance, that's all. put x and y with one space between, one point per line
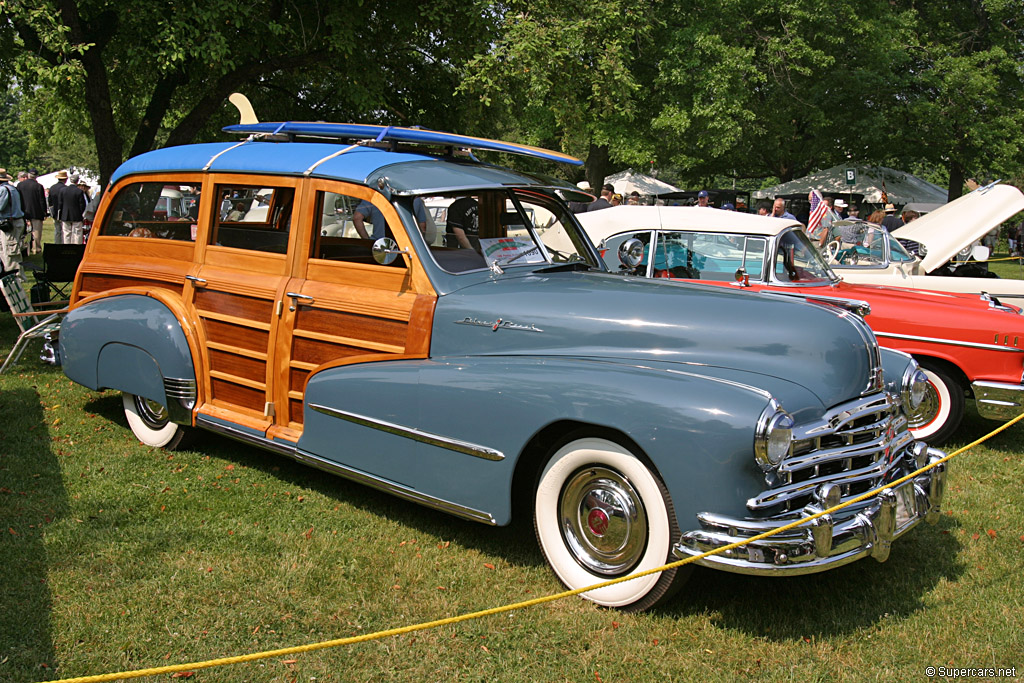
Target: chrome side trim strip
949 342
456 445
394 489
358 476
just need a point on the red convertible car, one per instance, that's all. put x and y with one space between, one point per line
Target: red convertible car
968 345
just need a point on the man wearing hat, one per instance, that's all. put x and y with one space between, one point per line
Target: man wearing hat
12 224
892 220
33 203
703 199
72 211
605 200
53 201
840 209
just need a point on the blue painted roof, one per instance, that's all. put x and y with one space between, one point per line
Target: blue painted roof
275 158
407 172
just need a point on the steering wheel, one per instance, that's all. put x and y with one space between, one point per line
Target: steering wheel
832 250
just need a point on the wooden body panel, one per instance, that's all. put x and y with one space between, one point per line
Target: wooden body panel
256 345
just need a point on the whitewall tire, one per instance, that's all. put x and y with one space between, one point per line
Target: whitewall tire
942 409
600 513
148 421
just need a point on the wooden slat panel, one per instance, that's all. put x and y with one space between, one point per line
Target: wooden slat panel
297 379
239 395
295 411
94 284
239 366
235 335
351 325
234 305
311 351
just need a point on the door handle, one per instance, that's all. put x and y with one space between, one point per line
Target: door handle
295 296
197 281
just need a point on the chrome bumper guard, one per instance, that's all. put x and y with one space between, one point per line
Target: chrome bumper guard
51 349
865 528
998 401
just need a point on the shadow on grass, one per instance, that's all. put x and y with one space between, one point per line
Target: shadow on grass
835 602
515 543
32 496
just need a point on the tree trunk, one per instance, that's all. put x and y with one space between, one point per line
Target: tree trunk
597 166
956 180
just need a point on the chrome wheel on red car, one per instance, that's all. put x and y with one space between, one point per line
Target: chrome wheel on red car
941 410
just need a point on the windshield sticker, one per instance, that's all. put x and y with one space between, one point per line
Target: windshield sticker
506 250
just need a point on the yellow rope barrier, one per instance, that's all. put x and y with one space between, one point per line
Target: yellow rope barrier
223 661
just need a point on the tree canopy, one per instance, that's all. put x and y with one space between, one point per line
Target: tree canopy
747 90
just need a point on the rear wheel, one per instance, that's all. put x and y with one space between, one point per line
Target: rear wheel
600 513
150 424
942 410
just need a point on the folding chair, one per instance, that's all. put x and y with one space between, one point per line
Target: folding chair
60 263
32 323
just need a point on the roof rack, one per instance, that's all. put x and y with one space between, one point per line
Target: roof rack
291 130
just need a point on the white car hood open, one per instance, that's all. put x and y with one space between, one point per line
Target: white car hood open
955 225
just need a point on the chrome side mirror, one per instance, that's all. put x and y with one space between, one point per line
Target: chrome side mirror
631 253
385 251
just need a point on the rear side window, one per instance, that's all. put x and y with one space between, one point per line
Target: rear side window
253 218
154 210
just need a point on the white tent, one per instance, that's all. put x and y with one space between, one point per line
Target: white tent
84 175
901 187
627 181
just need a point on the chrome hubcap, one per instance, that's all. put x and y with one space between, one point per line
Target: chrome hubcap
151 412
603 521
928 410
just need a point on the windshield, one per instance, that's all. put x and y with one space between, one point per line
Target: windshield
798 261
502 228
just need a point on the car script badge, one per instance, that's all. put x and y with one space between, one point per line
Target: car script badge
499 324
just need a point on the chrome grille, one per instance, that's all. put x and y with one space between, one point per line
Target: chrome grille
855 445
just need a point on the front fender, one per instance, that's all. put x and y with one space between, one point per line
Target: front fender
696 430
131 343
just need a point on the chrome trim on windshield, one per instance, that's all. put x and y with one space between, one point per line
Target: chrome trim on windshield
476 450
949 342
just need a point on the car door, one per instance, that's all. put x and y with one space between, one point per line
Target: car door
236 292
341 307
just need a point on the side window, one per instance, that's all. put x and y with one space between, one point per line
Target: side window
609 251
708 255
346 227
253 218
154 210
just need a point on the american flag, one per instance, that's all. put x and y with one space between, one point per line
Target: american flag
818 210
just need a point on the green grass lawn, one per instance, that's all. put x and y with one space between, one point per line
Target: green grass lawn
117 556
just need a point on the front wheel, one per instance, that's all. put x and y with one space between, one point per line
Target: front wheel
942 410
150 424
600 513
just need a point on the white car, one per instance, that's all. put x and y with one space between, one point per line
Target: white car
865 253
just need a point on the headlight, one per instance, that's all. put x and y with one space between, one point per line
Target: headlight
915 388
773 437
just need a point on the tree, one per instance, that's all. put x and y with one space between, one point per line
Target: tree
13 136
152 74
962 108
570 75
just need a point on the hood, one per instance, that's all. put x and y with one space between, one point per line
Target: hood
953 226
600 316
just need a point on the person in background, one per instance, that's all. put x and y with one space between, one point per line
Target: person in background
604 201
53 201
728 206
840 209
703 199
12 225
779 209
616 199
72 211
891 221
763 209
33 203
854 212
634 198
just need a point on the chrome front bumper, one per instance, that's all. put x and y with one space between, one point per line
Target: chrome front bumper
998 401
865 528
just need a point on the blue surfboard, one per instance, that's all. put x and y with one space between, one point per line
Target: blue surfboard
421 136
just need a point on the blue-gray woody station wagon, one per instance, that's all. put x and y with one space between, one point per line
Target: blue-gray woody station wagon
309 303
